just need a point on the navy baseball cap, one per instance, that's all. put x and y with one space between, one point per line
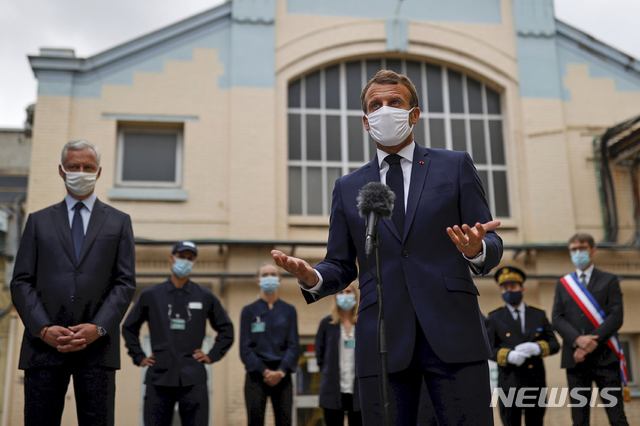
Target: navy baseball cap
184 245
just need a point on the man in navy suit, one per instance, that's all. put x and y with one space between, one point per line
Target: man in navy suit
73 281
435 330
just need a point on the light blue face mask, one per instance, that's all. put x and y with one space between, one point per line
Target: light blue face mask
269 284
346 301
581 259
182 267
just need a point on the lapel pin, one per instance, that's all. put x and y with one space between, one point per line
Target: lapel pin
422 162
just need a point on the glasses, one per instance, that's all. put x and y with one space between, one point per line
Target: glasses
579 248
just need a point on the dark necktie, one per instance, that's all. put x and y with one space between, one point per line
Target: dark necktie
395 181
77 229
518 322
583 279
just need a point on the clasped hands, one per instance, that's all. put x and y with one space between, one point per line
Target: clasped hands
586 344
523 351
71 339
272 377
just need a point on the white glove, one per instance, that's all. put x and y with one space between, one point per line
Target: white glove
529 348
516 357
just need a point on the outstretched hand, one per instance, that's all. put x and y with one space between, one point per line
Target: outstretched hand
468 240
297 267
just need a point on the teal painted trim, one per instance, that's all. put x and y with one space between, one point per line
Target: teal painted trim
534 17
152 118
263 11
253 55
465 11
397 35
538 68
148 194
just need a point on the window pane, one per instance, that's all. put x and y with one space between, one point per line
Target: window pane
333 173
314 191
372 68
415 75
294 94
474 92
313 137
332 87
500 192
458 135
334 152
497 144
455 91
149 157
493 101
354 132
354 85
479 151
434 88
394 65
436 133
295 149
312 90
295 190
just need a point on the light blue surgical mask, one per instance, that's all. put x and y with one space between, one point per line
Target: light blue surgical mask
269 284
182 267
581 259
346 301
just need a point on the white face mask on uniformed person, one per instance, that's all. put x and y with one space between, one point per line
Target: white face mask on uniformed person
80 183
389 126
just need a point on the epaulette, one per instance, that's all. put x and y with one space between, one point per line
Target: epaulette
535 306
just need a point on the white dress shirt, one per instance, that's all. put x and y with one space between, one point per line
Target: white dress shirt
85 212
587 274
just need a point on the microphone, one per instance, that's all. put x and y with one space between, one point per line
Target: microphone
375 200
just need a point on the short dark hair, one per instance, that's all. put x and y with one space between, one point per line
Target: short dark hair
583 237
390 77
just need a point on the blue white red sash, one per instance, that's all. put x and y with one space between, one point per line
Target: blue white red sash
596 315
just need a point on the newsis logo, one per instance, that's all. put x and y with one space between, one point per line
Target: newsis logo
557 397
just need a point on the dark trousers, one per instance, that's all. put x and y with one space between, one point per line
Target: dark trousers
608 376
512 416
45 389
193 405
256 392
336 417
460 393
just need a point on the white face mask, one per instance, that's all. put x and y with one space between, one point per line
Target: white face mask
79 183
389 126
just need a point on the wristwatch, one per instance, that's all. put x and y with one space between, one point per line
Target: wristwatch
101 331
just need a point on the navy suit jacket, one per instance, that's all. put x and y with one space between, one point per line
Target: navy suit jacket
328 357
423 274
49 287
570 322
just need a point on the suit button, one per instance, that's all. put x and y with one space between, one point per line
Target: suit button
405 253
78 272
530 365
73 298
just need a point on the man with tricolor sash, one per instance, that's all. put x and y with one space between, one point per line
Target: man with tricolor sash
587 312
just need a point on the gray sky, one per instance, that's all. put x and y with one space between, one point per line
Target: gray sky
91 27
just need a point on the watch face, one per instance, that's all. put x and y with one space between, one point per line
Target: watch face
101 331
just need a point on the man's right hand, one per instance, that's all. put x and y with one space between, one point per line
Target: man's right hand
588 343
296 267
148 361
62 339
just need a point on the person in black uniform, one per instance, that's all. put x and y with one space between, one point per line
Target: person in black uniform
177 311
335 353
269 351
520 336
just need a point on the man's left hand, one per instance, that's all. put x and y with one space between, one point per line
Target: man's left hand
272 377
468 240
201 356
83 335
579 355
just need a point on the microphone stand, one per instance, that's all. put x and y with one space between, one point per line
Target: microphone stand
383 369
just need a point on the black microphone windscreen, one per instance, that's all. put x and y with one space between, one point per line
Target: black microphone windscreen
376 197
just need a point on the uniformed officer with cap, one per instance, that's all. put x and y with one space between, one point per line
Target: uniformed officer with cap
177 311
520 336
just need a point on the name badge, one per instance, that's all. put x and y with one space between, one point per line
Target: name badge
351 343
177 324
258 327
195 305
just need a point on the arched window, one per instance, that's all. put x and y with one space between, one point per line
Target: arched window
327 138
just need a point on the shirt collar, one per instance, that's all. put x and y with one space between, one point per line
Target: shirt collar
587 272
88 202
186 288
519 309
406 153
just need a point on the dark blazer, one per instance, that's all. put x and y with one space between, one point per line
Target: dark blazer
570 322
50 287
505 334
328 357
424 274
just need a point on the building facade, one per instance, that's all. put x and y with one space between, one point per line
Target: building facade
230 127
